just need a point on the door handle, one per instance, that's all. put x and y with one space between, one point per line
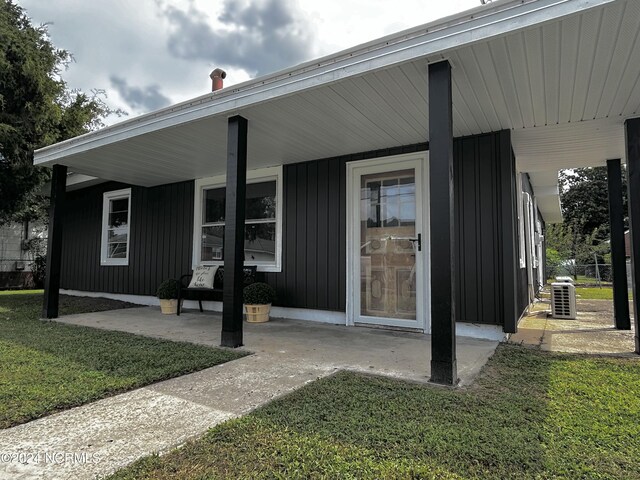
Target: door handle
419 240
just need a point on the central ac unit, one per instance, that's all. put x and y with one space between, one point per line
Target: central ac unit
563 300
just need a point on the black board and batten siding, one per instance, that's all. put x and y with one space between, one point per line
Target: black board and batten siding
314 233
314 254
160 245
479 227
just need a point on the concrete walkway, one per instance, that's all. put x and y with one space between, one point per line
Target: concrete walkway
98 438
592 332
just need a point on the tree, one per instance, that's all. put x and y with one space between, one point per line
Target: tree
36 109
585 201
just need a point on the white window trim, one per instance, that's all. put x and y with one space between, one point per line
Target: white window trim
106 198
530 229
536 233
521 229
253 176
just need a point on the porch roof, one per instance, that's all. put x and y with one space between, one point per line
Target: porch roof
562 75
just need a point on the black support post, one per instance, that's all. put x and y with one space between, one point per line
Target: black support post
234 232
632 138
443 259
618 257
54 242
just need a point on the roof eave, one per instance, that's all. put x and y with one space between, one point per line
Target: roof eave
429 40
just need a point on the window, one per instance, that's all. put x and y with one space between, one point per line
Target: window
116 216
391 200
263 231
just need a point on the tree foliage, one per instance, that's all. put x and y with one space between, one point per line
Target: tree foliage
585 200
585 208
36 109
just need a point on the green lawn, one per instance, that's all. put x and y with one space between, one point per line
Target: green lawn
20 292
590 280
48 366
592 293
595 293
530 415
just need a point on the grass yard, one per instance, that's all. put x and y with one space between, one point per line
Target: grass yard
530 415
591 293
48 366
595 293
20 292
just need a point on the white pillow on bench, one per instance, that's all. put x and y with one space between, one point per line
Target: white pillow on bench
203 276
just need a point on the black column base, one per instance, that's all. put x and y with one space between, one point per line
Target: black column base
444 373
231 339
623 323
50 312
637 344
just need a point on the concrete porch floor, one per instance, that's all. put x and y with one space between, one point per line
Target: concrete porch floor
288 354
404 355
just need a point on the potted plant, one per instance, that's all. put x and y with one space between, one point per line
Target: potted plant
257 301
168 292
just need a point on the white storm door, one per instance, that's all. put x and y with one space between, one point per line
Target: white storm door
387 243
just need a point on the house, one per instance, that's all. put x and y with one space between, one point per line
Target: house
20 244
403 183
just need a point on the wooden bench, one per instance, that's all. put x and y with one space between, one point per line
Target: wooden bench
210 294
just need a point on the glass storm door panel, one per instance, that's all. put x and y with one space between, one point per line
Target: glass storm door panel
388 247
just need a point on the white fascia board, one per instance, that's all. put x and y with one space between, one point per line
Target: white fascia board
432 39
76 181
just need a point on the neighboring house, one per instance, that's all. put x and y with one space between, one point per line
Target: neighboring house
20 242
403 183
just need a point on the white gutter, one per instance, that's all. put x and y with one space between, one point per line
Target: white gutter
436 38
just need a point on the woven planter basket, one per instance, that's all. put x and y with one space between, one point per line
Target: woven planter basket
257 313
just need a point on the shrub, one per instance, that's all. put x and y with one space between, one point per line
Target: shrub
258 294
169 289
39 271
37 251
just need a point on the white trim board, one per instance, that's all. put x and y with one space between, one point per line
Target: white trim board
484 332
322 316
471 330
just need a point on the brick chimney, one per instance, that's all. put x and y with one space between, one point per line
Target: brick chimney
216 79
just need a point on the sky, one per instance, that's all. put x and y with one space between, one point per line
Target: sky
148 54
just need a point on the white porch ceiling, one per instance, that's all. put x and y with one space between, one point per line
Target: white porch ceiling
562 84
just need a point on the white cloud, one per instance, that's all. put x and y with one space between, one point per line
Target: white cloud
156 55
258 36
146 98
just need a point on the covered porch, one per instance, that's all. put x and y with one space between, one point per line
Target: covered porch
559 77
299 345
